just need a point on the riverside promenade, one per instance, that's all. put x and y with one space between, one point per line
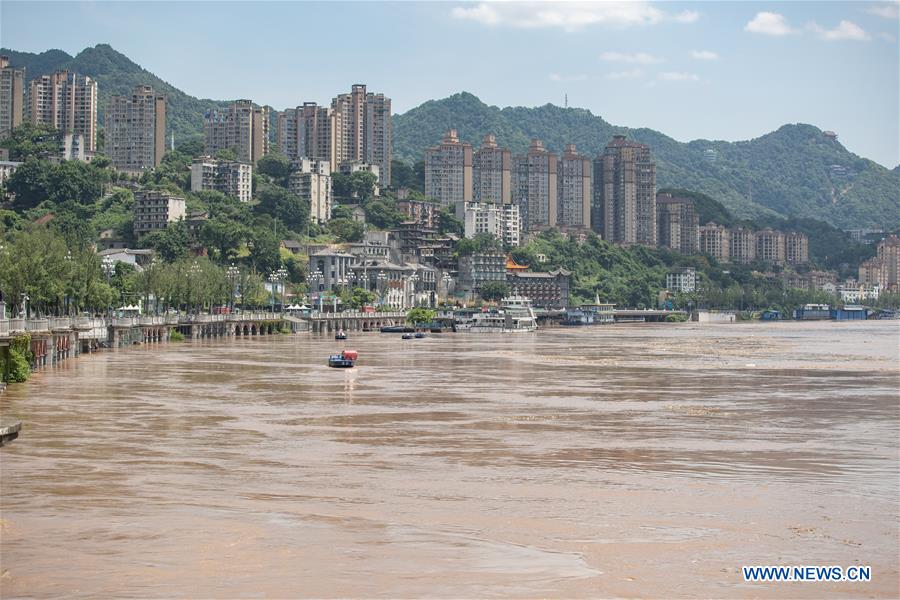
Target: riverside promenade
54 339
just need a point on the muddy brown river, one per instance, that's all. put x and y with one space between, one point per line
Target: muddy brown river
620 461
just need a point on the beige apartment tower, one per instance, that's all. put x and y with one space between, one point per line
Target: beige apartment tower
448 171
311 131
770 246
535 187
492 173
741 245
12 97
243 127
796 248
715 240
136 130
365 129
574 196
624 202
678 224
66 102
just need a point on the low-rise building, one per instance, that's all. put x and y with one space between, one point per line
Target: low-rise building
349 167
329 269
7 168
475 270
155 209
683 279
421 213
852 292
231 178
548 289
135 257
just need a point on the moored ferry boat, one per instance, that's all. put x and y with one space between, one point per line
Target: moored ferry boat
514 315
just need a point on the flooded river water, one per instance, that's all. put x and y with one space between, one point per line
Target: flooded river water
639 460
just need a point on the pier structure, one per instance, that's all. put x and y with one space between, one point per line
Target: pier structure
323 322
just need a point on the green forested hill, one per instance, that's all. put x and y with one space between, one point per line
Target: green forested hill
792 172
117 74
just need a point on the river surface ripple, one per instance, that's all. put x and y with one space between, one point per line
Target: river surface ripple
629 460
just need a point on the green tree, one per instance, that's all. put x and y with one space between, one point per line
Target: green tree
361 297
275 165
362 185
29 141
420 316
494 290
29 183
281 204
346 230
402 175
172 243
382 214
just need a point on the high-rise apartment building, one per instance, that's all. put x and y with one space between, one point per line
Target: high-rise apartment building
66 102
136 130
365 131
311 181
624 203
770 246
796 248
243 127
715 240
232 178
535 187
491 173
678 224
448 171
311 131
574 196
500 220
154 210
12 97
741 245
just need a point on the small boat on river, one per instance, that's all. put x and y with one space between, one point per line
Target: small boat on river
344 360
340 335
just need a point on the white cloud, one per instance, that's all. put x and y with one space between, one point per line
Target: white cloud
688 16
641 58
570 16
678 76
567 78
704 55
769 23
632 74
846 30
888 10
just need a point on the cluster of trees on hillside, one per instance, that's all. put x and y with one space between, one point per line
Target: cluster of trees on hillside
633 276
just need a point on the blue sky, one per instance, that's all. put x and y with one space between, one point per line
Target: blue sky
714 70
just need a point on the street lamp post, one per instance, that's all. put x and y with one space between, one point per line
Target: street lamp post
412 280
446 279
69 265
194 270
233 273
108 268
381 280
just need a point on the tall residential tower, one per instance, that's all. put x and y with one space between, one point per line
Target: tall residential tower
624 203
